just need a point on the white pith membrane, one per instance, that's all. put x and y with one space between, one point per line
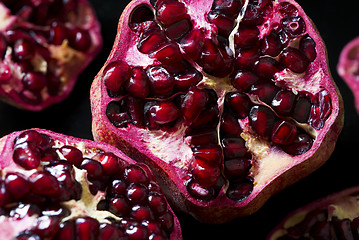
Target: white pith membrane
338 206
69 61
269 161
86 206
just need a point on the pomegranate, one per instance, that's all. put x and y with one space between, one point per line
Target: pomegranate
54 186
333 217
227 101
348 67
44 46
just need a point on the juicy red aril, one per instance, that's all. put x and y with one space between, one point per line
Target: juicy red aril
193 103
234 148
244 80
138 85
230 126
17 185
261 120
204 136
157 202
72 154
161 81
236 169
212 154
294 60
266 67
246 57
23 49
246 37
111 164
207 118
287 9
80 39
192 43
265 91
223 23
34 81
115 74
283 102
239 191
171 11
31 136
136 193
119 206
58 33
271 44
284 132
293 25
239 103
301 144
136 174
203 172
164 112
150 41
231 7
94 168
27 155
187 79
168 53
178 30
320 110
86 228
302 109
43 183
308 47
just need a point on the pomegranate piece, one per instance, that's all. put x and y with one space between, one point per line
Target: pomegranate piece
69 198
331 217
44 47
217 90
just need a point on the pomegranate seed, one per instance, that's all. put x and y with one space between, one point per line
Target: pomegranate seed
266 67
167 221
271 44
212 154
16 185
204 136
115 74
284 38
3 45
111 164
5 73
209 117
293 59
230 126
240 191
253 16
187 79
116 116
234 148
141 213
43 183
33 98
193 103
34 81
86 228
178 30
308 47
138 85
246 37
46 226
246 57
231 7
164 112
239 103
94 168
283 102
243 80
136 193
58 33
31 136
203 173
135 110
302 110
237 169
135 232
293 25
66 231
135 174
161 81
199 192
223 22
157 202
287 9
211 57
119 206
118 188
261 120
140 15
27 155
5 197
72 154
284 132
301 144
109 231
23 49
167 53
80 39
321 110
192 43
265 91
151 40
171 11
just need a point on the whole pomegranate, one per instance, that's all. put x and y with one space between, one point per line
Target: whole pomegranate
333 217
228 101
54 186
44 46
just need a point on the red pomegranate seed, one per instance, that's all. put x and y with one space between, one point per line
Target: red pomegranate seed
223 22
266 67
94 168
136 193
171 11
234 148
66 231
86 228
231 7
111 164
287 9
135 174
230 126
240 191
34 81
209 117
243 80
157 202
246 37
167 221
187 79
193 103
283 102
135 110
246 57
3 45
253 16
321 110
108 231
80 39
239 103
271 44
27 155
204 136
192 43
161 81
141 213
5 197
5 73
284 132
115 74
302 110
237 169
46 226
43 183
211 57
31 136
138 85
16 185
261 120
167 53
308 47
164 112
58 33
23 49
140 16
265 91
203 172
136 232
199 192
301 144
118 188
119 206
212 154
151 40
293 59
72 154
178 30
294 26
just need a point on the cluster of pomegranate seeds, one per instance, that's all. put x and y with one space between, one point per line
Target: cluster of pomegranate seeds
46 39
45 183
226 78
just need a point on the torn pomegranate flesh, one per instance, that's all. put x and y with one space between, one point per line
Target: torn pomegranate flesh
56 187
242 75
44 46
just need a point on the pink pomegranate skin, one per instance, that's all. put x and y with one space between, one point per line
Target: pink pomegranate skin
135 142
7 164
69 62
348 67
338 206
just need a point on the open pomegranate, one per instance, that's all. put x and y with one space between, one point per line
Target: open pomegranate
333 217
228 101
44 46
348 68
54 186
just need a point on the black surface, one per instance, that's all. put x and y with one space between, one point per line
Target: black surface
337 23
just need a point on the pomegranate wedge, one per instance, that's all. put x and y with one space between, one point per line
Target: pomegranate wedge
228 101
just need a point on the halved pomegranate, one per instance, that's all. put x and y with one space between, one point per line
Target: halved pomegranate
44 46
332 217
228 101
54 186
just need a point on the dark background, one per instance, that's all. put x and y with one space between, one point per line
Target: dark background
337 23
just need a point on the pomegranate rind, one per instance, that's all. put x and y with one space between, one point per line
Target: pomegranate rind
220 210
7 145
345 199
348 65
73 62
